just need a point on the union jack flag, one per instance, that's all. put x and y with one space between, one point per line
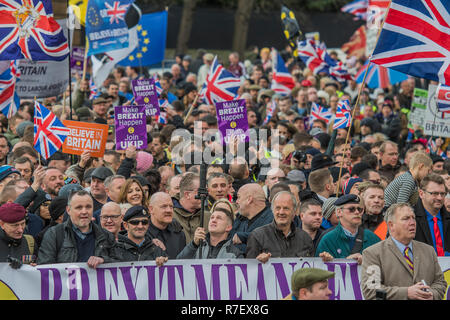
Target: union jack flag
220 84
29 31
321 113
343 115
95 93
433 149
416 39
116 11
358 8
270 111
49 132
282 81
376 11
317 59
443 98
9 100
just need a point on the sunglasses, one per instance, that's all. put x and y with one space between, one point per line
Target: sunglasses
136 222
353 209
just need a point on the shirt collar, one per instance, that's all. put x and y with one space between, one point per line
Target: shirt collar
401 246
430 216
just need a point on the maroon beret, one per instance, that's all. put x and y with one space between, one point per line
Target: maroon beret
12 212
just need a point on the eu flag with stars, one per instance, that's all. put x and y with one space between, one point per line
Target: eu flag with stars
152 32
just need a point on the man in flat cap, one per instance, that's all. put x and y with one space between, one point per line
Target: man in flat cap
348 239
15 247
310 284
137 244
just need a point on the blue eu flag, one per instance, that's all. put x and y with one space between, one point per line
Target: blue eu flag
152 32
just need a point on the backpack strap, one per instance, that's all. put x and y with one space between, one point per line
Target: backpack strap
30 242
357 247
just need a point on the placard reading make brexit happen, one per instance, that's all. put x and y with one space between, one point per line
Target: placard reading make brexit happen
232 120
131 127
144 91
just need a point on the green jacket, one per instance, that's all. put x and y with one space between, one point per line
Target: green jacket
337 243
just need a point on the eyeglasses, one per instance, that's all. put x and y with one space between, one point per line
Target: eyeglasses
435 194
136 222
353 209
114 217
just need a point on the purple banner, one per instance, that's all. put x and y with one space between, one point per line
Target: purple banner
131 127
144 92
232 120
77 59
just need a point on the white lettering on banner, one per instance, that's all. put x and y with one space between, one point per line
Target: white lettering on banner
211 279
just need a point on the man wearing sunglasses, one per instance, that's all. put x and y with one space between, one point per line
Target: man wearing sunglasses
349 238
137 245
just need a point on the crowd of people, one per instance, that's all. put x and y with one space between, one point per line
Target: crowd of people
305 191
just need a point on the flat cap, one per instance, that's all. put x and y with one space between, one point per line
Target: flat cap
305 277
348 198
321 160
296 176
136 212
101 173
328 207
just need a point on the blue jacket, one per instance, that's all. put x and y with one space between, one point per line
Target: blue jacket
243 227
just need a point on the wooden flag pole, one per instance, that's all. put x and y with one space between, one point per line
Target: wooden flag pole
191 109
85 60
357 103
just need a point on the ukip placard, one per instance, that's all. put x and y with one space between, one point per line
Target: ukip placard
131 128
232 120
144 91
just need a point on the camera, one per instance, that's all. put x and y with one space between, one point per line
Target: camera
300 156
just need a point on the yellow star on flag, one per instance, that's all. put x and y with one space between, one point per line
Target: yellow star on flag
144 49
139 28
146 40
144 33
139 55
131 58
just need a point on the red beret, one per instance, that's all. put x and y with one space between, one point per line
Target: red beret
12 212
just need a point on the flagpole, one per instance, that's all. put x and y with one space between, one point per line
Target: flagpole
191 108
39 154
357 101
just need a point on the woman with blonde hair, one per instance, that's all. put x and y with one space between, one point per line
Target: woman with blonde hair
133 193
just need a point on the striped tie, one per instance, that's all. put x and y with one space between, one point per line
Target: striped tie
408 259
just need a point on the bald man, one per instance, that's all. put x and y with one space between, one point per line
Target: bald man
163 226
253 213
274 176
111 218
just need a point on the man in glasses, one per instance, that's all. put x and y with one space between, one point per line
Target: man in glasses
348 239
433 219
111 218
137 245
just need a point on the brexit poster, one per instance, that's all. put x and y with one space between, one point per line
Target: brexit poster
144 91
232 120
131 127
209 279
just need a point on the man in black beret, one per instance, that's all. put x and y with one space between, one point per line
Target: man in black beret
137 244
348 239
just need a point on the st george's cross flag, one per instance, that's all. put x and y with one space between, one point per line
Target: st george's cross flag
49 132
29 31
415 39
